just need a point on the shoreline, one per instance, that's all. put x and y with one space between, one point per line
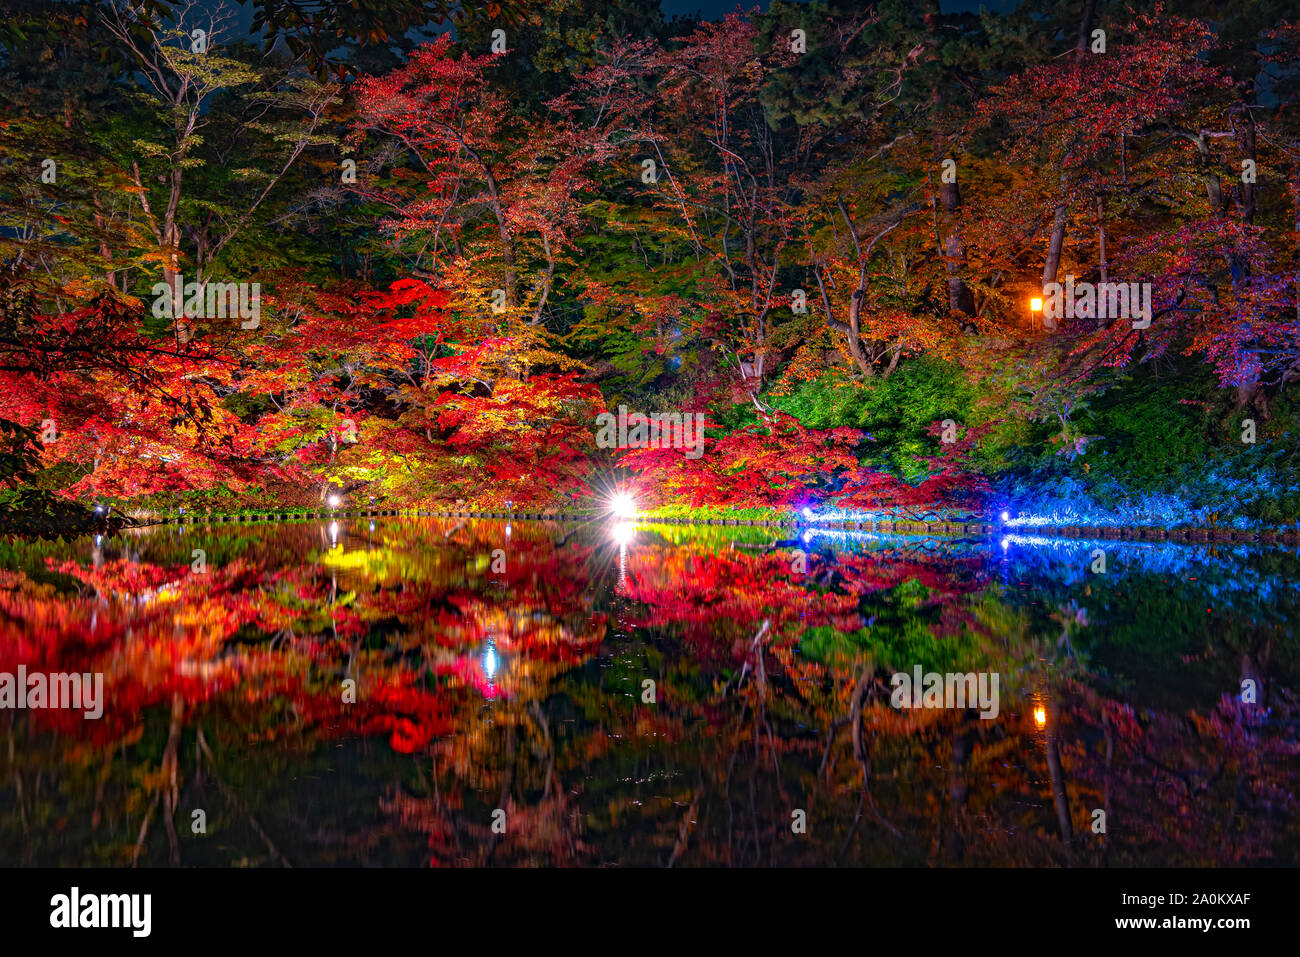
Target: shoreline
947 529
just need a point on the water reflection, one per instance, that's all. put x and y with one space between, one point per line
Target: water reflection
374 692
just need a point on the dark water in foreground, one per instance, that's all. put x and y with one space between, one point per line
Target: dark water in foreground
502 674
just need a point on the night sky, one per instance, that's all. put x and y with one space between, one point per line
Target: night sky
709 9
714 9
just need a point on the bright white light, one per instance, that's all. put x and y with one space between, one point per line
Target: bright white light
334 531
622 505
623 533
99 508
507 529
1005 543
1006 516
807 513
490 662
335 501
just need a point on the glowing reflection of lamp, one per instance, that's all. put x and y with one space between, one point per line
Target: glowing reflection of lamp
623 535
334 532
490 665
1040 715
622 505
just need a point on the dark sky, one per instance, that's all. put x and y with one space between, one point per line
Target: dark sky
714 9
711 9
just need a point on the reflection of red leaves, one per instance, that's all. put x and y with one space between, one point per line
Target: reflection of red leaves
157 630
887 569
721 598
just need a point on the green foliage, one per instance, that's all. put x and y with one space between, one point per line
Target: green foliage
893 411
1173 433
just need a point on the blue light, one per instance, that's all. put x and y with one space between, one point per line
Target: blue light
1066 501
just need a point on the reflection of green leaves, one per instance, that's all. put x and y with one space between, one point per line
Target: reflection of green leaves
896 647
911 594
903 635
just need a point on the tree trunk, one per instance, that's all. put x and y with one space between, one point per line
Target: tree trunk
1052 265
1250 395
960 298
1056 776
958 789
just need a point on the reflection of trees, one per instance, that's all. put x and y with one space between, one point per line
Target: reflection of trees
517 686
200 665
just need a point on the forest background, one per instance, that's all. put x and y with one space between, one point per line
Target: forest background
820 226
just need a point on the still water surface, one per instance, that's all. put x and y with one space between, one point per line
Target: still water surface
451 693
